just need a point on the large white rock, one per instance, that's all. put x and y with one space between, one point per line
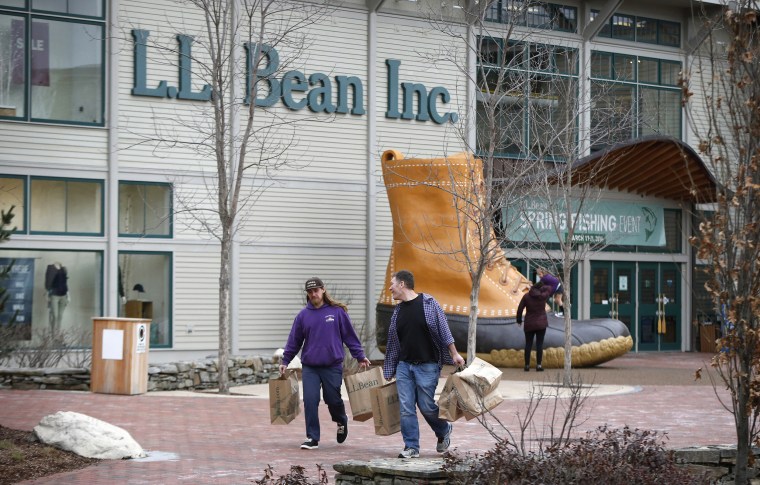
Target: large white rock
87 436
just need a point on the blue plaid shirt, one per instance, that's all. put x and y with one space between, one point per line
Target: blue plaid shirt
439 331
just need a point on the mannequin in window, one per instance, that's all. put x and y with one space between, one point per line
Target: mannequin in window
56 284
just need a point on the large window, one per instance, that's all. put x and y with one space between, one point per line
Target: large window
641 29
535 14
145 209
52 61
528 97
55 293
56 205
66 206
633 97
145 291
12 190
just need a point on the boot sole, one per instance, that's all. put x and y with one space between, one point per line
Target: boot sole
501 341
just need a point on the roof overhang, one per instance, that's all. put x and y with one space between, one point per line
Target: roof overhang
653 166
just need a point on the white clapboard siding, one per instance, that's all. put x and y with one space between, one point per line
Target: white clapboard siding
701 83
319 143
327 215
54 146
415 138
271 290
196 299
144 120
195 209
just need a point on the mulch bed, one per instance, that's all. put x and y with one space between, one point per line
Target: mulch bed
22 457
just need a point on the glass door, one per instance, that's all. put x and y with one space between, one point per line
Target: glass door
659 307
613 287
624 293
601 289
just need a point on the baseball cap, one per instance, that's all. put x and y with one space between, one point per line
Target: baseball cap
312 283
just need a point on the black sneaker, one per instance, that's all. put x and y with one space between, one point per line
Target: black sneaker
409 453
539 369
310 444
527 368
342 432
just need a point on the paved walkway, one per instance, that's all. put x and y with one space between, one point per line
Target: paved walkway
200 438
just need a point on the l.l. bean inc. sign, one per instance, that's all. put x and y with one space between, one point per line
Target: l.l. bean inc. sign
295 89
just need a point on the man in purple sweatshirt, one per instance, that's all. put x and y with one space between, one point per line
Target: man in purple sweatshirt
319 332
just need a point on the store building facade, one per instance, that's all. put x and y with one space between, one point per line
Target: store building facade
91 91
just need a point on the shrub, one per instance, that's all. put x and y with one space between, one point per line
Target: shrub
296 476
609 456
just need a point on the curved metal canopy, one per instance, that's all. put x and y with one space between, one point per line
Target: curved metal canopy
653 166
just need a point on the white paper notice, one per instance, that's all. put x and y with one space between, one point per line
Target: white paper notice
113 344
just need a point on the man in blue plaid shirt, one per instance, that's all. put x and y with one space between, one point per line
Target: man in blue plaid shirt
419 343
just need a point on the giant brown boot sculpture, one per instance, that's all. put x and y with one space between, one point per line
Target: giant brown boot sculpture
427 240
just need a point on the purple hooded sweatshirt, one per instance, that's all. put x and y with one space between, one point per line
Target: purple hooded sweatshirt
534 304
552 281
322 332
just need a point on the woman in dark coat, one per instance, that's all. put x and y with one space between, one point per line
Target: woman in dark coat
534 304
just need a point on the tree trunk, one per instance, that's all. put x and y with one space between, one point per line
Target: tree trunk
742 428
472 327
567 377
224 311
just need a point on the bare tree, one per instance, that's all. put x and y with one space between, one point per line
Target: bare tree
549 217
479 184
236 56
526 116
722 95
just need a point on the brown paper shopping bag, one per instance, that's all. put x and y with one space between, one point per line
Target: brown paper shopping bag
358 386
284 398
385 409
448 402
477 388
481 375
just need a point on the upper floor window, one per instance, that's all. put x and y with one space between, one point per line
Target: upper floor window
529 13
52 60
641 29
528 92
66 206
12 194
632 97
145 209
56 205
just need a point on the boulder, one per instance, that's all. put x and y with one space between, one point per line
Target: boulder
87 436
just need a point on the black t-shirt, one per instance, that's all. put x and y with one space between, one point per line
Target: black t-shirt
413 333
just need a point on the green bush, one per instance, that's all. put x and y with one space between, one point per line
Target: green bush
609 456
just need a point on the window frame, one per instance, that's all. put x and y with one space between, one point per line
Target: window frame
99 182
170 188
29 15
498 7
25 198
170 293
638 86
524 66
607 29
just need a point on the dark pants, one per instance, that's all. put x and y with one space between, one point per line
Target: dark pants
329 379
539 334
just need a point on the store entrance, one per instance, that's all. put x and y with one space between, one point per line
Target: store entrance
659 307
650 295
613 287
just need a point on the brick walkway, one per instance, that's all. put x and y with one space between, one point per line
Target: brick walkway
228 440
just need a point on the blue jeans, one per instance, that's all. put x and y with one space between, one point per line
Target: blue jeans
416 385
329 379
